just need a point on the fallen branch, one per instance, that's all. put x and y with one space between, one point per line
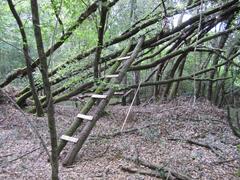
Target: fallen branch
20 157
33 127
6 155
166 172
191 142
146 173
22 71
213 149
223 162
119 133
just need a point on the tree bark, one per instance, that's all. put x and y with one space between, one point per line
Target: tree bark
28 59
175 86
47 88
22 72
220 90
124 36
176 66
101 28
136 74
215 60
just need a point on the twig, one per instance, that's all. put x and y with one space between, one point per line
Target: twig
168 173
58 20
129 110
20 157
6 155
144 172
213 149
119 133
190 142
195 48
19 50
30 123
99 155
84 3
164 8
57 14
148 101
222 162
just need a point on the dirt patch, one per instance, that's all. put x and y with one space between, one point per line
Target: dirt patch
162 134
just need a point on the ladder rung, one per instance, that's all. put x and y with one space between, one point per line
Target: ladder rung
83 116
118 93
88 94
123 58
69 138
112 76
99 96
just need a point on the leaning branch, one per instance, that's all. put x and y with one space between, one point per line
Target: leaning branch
57 14
27 58
22 72
33 127
189 77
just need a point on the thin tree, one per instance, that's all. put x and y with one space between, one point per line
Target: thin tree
101 28
47 87
133 18
28 59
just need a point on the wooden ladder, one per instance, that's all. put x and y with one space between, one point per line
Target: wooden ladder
103 101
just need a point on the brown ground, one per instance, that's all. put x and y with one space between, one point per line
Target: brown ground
103 156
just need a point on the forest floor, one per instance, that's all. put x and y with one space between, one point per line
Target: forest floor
191 139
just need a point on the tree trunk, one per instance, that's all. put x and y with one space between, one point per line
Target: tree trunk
103 16
47 88
172 73
157 78
215 60
220 90
22 72
175 86
28 59
136 74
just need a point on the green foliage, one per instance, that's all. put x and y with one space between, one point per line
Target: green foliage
238 149
85 37
109 84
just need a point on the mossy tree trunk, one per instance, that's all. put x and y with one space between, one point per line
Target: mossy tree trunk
28 59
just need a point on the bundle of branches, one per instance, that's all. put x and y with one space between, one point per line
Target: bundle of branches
164 52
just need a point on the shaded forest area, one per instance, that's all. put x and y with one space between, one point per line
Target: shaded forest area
119 89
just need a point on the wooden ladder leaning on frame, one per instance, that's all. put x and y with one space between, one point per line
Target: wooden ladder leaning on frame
104 100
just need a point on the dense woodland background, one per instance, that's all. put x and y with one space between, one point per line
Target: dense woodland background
136 18
58 53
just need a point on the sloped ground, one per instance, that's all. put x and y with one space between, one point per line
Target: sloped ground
193 140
